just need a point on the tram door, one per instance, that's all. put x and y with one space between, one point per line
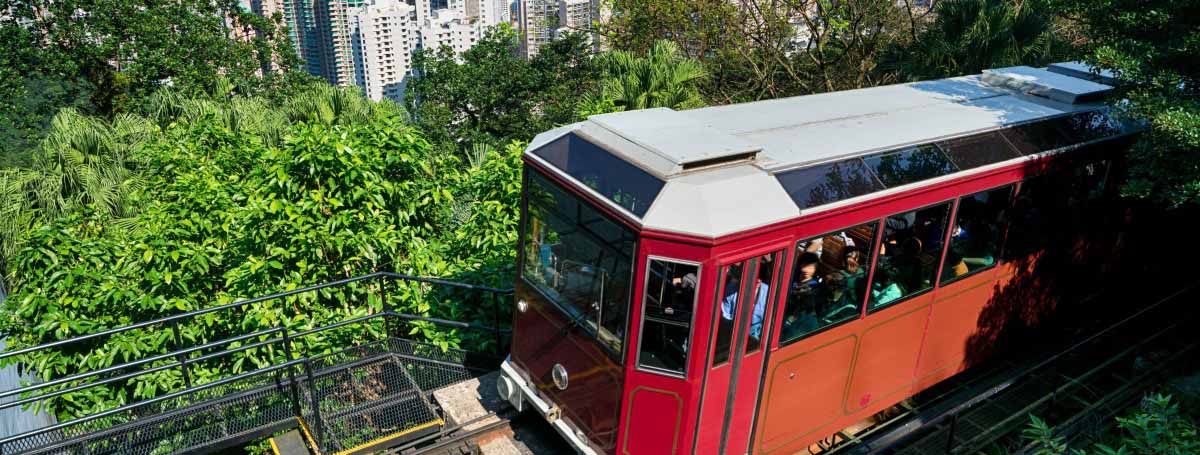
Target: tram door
741 325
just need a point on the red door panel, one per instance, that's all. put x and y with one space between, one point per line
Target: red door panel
887 354
658 417
804 389
953 321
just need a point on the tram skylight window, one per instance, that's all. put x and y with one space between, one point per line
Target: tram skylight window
623 183
908 165
974 151
1037 137
1089 126
827 183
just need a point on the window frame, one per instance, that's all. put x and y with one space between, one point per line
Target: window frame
950 214
795 246
718 296
637 361
998 259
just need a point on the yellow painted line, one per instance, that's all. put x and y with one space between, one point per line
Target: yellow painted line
312 443
394 436
274 448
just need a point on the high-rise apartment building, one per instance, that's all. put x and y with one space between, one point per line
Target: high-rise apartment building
539 19
574 15
450 28
544 20
337 50
384 35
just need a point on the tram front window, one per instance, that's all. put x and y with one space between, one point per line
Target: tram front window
580 259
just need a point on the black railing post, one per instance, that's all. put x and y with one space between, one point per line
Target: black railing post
950 438
181 358
287 352
315 402
496 297
387 318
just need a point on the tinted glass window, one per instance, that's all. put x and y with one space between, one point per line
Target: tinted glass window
829 281
975 237
727 306
579 258
668 304
909 165
763 296
1031 224
827 183
623 183
979 150
909 254
1089 126
1036 137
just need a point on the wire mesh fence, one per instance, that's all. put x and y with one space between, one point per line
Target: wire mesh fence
376 390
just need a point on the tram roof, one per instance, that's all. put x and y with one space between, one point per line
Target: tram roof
723 169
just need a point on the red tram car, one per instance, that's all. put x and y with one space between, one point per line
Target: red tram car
753 278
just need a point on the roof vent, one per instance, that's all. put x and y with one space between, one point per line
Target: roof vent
1081 70
1046 84
682 141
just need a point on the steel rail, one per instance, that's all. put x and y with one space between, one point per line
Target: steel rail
166 356
242 303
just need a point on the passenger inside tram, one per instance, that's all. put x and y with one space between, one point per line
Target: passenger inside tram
828 281
909 254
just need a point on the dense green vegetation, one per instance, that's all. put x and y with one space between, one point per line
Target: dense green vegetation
149 164
1153 47
1157 427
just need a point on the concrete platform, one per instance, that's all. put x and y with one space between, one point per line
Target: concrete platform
469 400
475 398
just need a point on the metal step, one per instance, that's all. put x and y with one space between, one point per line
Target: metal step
290 443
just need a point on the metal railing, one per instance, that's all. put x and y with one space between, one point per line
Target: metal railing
292 383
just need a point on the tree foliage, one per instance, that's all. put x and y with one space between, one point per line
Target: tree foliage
105 56
1151 46
490 95
661 78
230 208
1157 427
969 36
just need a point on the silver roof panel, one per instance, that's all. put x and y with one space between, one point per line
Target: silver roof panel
1045 83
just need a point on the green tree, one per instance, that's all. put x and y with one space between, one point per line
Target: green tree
490 95
1151 46
225 212
968 36
104 56
1157 427
663 77
764 49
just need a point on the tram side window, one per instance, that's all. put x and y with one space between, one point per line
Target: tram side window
908 255
829 281
668 304
1037 208
727 309
975 237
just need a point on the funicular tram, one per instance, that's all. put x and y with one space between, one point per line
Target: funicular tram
755 277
